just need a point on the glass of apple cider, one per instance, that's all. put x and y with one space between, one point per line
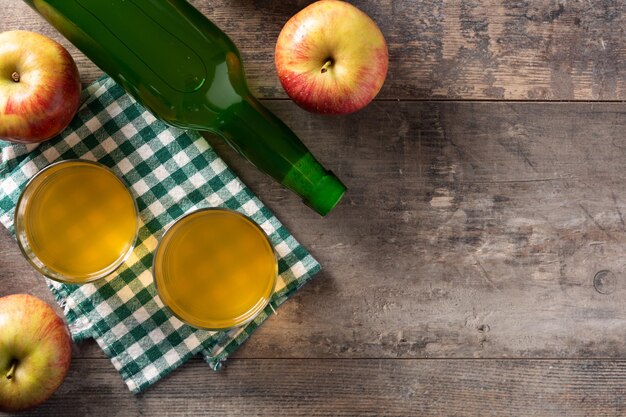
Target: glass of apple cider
76 221
215 269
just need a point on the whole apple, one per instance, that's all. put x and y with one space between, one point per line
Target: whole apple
331 58
39 87
35 351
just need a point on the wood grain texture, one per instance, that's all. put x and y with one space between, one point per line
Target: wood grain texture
469 230
453 49
352 388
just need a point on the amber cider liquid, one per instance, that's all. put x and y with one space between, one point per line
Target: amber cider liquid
215 269
79 220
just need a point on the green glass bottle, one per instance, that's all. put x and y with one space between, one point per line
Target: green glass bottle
188 73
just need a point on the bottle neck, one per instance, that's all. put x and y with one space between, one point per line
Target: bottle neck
271 146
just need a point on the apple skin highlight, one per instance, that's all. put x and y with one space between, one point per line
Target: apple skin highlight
36 340
46 97
331 58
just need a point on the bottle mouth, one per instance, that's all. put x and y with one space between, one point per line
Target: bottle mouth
326 194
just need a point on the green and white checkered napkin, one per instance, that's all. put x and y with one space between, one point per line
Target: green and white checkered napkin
170 172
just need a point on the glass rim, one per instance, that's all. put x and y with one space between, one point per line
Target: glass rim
258 307
29 255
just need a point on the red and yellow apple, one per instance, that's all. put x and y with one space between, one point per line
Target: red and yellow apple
331 58
39 87
35 351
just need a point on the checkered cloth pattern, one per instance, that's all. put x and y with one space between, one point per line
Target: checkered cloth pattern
170 172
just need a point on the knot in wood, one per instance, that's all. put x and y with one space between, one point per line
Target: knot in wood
604 281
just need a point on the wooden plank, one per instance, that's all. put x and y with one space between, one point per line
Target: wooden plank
460 49
352 387
469 230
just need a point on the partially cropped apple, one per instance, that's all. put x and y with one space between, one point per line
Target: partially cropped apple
35 351
39 87
331 58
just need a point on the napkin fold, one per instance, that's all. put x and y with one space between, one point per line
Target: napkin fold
170 172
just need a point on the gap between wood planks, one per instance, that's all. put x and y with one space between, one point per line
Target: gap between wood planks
438 359
468 100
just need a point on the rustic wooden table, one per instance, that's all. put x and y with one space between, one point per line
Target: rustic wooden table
476 266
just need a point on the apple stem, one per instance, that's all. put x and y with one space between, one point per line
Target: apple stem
11 370
16 76
327 65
